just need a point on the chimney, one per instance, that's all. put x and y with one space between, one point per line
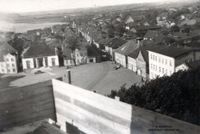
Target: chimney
69 76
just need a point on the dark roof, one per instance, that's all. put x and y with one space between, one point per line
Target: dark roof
170 51
193 64
116 43
144 50
92 51
105 41
38 49
128 47
5 48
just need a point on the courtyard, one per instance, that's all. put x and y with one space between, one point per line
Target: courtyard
97 77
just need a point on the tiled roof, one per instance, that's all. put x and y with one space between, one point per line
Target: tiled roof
5 48
116 43
38 49
128 47
144 50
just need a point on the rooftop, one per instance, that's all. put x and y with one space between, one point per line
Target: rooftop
39 49
5 48
170 51
128 47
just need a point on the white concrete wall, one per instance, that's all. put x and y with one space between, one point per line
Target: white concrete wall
160 65
96 114
49 59
121 59
132 64
31 60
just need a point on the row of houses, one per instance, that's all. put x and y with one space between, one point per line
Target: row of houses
152 61
40 55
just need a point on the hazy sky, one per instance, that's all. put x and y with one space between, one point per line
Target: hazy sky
43 5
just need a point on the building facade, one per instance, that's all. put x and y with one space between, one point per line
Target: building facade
37 62
9 64
39 55
169 60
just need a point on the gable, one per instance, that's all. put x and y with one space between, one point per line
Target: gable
140 57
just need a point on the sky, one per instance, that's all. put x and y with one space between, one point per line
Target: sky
19 6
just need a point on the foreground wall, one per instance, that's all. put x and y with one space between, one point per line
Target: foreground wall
19 106
96 114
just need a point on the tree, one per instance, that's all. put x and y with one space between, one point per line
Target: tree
177 96
174 28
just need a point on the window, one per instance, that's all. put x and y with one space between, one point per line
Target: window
170 63
163 71
165 61
8 70
155 58
2 70
12 59
7 59
159 69
8 65
159 60
13 65
162 61
14 70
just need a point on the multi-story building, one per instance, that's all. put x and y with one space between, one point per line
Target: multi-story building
8 59
164 61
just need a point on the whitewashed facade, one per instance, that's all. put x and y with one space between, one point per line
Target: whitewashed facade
9 64
36 62
161 65
120 59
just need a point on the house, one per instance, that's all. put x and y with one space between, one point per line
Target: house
129 20
113 44
153 36
138 60
120 54
68 57
8 59
84 55
165 60
39 55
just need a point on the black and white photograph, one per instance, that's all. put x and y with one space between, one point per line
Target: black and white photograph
99 66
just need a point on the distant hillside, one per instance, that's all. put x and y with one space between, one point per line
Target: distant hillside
59 14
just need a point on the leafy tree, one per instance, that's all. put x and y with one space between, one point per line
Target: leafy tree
177 96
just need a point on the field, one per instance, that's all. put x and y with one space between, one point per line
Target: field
23 27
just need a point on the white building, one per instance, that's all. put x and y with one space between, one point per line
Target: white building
121 54
8 59
37 56
164 61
